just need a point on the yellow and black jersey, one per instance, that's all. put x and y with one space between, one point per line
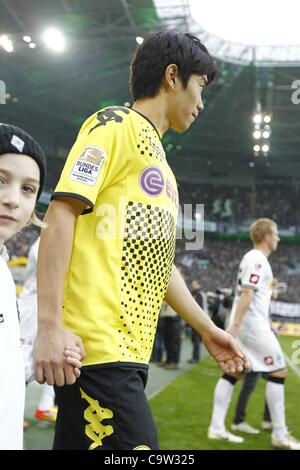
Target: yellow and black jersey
124 242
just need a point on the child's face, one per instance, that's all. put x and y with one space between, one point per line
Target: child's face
19 184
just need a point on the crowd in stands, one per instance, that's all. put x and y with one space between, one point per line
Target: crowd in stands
230 203
20 244
237 204
279 203
216 265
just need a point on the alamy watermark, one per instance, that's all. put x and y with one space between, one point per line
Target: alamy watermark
2 92
296 354
190 226
147 222
296 94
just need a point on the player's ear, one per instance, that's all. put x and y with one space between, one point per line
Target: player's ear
171 76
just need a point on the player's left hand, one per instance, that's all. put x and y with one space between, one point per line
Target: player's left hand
226 350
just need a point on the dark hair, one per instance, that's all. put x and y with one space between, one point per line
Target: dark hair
161 49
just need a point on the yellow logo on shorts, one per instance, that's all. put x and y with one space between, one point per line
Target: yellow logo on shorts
95 414
142 447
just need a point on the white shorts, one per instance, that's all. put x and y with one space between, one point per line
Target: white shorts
263 349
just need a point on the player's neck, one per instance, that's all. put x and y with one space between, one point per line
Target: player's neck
263 248
155 110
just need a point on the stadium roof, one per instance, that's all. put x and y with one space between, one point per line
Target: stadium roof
250 22
51 94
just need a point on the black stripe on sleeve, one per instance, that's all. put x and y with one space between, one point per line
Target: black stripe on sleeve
76 196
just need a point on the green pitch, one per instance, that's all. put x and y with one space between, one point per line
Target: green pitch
182 410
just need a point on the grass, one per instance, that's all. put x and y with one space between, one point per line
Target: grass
182 410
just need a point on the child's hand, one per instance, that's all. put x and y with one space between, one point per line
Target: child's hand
73 358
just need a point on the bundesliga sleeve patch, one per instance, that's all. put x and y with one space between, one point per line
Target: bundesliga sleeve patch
88 165
254 278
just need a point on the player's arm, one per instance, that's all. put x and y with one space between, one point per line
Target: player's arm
241 309
53 261
220 344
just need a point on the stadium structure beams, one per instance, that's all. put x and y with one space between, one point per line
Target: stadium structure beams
56 93
265 56
241 54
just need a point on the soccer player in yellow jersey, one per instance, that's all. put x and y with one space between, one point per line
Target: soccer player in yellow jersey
106 258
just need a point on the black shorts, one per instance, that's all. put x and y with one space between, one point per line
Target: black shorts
106 409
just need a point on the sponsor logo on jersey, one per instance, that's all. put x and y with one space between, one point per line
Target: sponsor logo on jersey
88 165
268 360
152 181
254 278
172 193
109 114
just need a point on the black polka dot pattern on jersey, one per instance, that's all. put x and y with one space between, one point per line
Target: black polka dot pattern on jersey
147 145
148 255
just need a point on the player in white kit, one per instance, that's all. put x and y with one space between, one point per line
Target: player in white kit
249 321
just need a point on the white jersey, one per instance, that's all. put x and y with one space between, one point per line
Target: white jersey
27 300
12 377
255 272
29 287
262 347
